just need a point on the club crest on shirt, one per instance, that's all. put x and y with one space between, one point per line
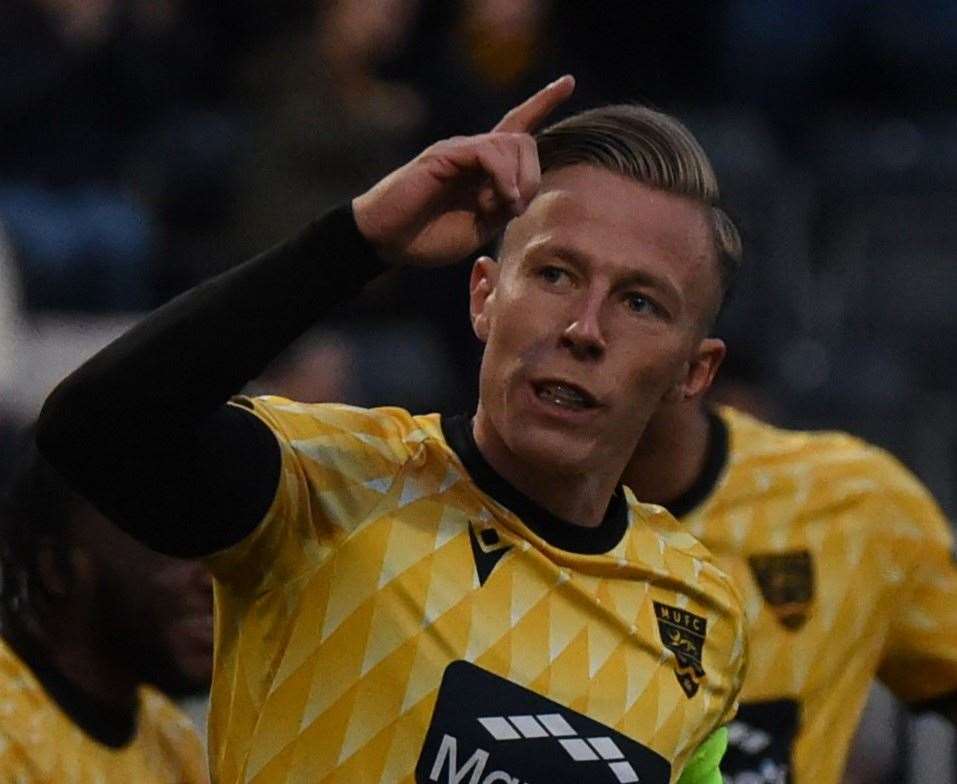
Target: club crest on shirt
683 633
786 581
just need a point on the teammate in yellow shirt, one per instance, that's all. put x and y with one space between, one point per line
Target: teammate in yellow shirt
90 617
846 565
409 598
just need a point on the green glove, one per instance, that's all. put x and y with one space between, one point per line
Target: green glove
703 768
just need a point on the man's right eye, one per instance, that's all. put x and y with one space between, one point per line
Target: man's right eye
552 274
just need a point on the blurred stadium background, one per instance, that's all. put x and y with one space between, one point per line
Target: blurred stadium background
147 144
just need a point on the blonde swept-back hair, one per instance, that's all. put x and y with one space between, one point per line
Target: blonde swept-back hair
652 148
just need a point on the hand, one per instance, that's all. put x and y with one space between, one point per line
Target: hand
456 195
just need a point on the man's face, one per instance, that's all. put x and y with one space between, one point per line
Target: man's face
155 610
595 315
182 618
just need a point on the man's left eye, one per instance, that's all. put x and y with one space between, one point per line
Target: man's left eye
640 304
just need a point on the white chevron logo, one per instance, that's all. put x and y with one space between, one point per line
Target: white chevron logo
554 725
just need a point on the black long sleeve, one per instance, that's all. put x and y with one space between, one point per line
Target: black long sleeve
142 429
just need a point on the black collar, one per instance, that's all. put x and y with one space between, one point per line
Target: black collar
715 461
103 724
553 529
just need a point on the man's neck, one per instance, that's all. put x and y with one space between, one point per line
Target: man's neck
580 498
73 666
671 455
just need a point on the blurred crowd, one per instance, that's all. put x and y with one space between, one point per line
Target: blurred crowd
148 144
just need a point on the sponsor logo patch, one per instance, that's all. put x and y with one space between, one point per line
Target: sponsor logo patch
683 633
486 729
786 581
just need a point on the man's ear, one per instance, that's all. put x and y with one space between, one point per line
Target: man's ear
700 371
485 274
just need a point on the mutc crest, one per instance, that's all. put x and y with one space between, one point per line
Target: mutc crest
683 633
786 581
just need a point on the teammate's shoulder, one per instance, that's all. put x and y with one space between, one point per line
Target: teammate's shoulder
161 711
751 437
18 685
163 720
834 464
754 438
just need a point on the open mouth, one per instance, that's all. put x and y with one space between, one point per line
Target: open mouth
564 395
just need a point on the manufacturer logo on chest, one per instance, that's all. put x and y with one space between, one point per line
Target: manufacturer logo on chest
487 550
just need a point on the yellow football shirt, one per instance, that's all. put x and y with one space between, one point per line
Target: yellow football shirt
391 621
845 565
39 744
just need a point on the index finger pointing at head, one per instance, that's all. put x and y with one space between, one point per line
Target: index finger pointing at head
527 116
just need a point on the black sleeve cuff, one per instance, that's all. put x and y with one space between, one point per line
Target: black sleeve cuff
349 259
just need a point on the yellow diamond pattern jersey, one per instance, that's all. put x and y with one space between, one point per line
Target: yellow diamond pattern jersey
388 621
39 744
846 568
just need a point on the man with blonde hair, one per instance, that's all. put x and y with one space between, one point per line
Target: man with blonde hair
421 598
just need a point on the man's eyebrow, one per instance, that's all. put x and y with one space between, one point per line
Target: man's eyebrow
547 246
574 256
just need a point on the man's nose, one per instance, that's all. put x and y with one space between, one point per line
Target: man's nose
584 336
200 581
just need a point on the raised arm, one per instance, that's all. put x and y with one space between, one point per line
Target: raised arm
143 429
